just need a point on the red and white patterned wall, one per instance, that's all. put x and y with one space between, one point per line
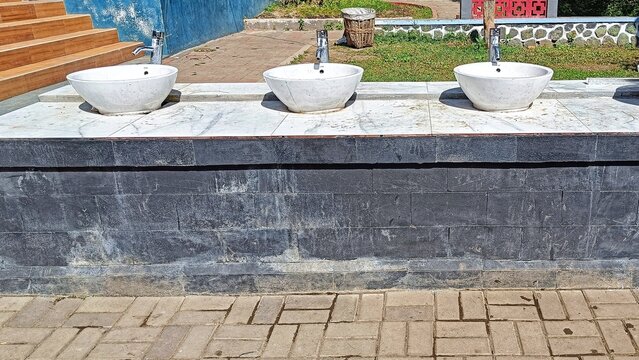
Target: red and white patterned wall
513 8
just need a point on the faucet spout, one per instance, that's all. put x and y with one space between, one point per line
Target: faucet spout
494 51
322 47
155 49
140 49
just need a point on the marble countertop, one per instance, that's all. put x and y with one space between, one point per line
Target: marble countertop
379 109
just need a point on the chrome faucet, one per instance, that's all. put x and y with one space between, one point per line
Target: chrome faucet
155 49
494 51
322 46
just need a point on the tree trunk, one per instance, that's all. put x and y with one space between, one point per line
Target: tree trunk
489 19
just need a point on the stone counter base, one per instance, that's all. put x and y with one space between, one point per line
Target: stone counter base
232 229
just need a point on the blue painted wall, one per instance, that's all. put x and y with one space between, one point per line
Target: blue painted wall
135 19
193 22
187 22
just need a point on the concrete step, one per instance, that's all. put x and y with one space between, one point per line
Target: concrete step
34 51
24 30
33 76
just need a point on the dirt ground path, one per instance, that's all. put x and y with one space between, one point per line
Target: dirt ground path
442 9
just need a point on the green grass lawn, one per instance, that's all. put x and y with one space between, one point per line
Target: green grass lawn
332 9
409 57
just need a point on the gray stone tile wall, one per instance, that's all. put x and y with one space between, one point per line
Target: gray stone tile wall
114 217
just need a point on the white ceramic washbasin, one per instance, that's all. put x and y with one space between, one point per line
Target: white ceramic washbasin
507 87
125 89
308 88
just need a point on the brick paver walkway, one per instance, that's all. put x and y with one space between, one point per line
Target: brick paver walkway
535 325
242 57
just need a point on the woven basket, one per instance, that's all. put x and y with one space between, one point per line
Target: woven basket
359 27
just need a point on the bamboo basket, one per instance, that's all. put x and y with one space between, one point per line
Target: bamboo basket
359 27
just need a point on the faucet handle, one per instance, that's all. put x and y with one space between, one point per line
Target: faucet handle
322 33
158 35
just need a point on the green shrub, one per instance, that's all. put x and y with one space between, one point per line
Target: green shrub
599 8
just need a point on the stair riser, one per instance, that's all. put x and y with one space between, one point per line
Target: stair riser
18 33
57 72
33 54
27 11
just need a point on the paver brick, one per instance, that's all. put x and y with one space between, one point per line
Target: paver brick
195 342
610 296
472 305
352 330
508 297
307 340
23 335
455 329
304 316
234 348
616 311
571 328
92 319
447 305
309 301
268 310
392 338
348 347
138 312
420 339
633 328
504 338
167 343
52 346
249 332
550 305
408 313
462 346
31 313
82 344
371 307
345 309
207 303
408 298
13 352
105 304
533 341
198 317
61 311
576 305
118 351
615 336
280 341
164 311
576 346
242 310
513 312
146 334
5 316
10 303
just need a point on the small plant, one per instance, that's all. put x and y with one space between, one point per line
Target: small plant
299 58
301 24
571 36
333 25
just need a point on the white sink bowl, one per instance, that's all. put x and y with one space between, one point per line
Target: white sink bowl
307 88
125 89
507 87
